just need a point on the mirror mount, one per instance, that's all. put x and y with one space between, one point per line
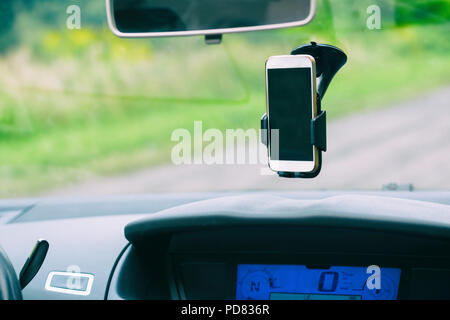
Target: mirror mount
213 38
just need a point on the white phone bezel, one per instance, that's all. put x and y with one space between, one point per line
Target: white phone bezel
292 61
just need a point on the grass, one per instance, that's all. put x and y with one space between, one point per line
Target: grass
112 106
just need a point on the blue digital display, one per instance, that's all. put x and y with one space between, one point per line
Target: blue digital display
295 282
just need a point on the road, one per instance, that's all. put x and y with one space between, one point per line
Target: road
404 143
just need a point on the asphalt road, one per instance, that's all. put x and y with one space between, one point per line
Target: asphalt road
405 143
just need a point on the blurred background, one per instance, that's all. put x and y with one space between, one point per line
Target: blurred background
85 112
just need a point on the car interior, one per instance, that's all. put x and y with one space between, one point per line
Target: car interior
289 235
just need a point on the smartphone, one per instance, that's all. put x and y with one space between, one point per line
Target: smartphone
291 104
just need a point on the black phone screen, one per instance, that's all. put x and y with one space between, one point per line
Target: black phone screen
290 111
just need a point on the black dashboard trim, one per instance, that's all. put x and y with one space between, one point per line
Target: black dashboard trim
113 269
350 211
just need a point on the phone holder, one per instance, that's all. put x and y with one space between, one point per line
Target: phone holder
328 60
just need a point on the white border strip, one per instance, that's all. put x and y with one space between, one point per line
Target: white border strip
70 291
113 28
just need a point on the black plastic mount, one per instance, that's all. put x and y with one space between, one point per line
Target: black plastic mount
328 60
213 38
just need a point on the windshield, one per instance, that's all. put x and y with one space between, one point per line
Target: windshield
83 112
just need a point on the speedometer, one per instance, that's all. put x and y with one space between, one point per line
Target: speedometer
298 282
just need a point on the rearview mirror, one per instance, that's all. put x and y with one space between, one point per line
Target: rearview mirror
164 18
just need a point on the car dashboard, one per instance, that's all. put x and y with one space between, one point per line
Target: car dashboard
251 245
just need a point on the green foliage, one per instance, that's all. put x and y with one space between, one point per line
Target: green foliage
7 18
422 11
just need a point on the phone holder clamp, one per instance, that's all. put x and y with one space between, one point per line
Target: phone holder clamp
329 60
